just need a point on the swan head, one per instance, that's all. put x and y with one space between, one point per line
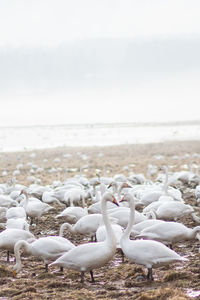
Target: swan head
127 198
110 197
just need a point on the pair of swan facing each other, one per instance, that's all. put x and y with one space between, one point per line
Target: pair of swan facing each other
143 252
88 257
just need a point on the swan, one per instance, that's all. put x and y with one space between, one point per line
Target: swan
10 236
73 214
145 252
169 232
15 213
45 248
122 215
137 228
18 223
87 225
48 197
171 210
35 208
92 255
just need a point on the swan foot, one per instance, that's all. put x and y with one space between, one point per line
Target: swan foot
149 274
92 276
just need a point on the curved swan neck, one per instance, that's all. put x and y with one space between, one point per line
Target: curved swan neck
17 247
195 231
64 226
131 219
110 235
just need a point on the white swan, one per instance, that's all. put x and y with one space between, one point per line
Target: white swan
93 255
137 228
73 214
145 252
10 236
15 213
18 223
45 248
87 225
169 232
35 208
171 210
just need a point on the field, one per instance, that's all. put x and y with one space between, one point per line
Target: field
115 280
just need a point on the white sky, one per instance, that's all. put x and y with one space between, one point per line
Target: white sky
49 23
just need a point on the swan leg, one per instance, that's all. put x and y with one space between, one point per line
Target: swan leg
149 274
95 238
82 276
46 267
8 256
122 254
92 276
61 269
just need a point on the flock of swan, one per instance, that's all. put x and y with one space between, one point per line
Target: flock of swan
141 218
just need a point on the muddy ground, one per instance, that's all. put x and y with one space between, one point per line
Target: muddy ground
115 280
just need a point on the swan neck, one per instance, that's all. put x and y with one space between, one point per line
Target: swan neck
131 221
17 247
195 231
63 227
110 235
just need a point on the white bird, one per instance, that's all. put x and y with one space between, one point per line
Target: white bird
122 215
137 228
9 237
172 210
45 248
73 214
93 255
145 252
87 225
15 213
18 223
169 232
35 208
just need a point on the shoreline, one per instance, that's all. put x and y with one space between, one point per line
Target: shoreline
93 160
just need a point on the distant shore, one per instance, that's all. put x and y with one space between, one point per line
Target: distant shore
94 160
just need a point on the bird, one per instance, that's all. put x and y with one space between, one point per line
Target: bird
45 248
34 208
87 257
145 252
73 213
87 225
169 232
10 236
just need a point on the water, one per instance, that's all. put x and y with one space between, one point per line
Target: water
39 137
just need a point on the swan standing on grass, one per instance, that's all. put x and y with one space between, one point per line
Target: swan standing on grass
145 252
45 248
93 255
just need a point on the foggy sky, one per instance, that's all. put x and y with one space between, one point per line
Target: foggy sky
133 60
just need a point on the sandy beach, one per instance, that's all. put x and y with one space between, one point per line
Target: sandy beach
115 280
